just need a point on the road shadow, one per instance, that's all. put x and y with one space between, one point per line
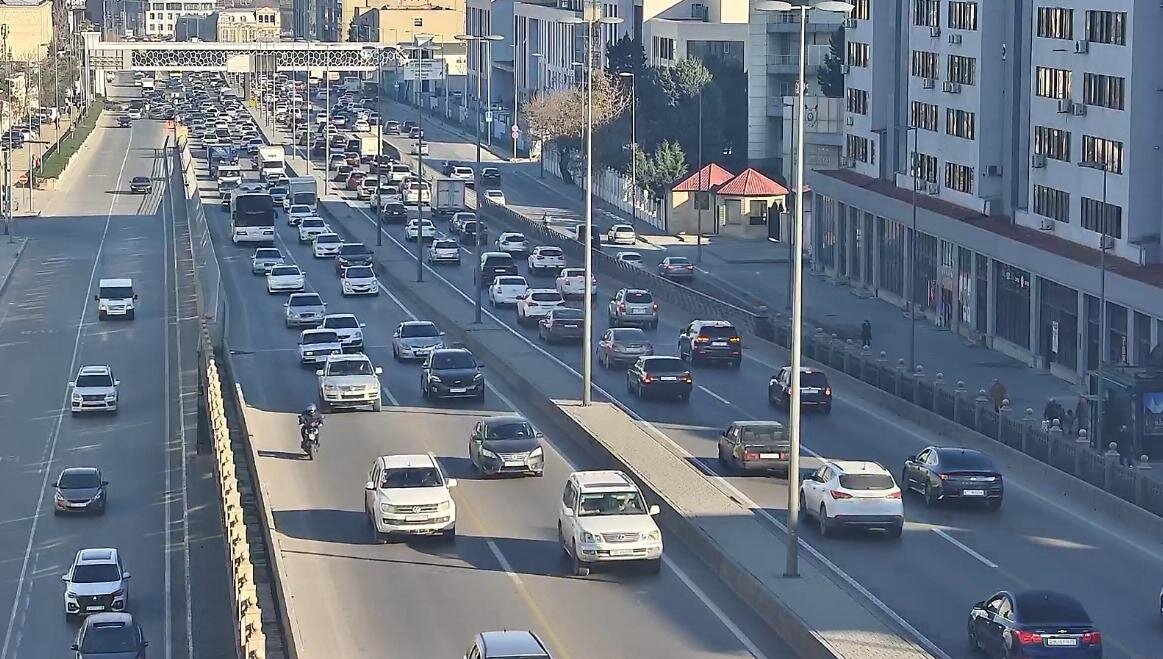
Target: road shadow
281 455
349 527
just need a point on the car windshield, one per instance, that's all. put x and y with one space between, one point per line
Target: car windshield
553 251
300 208
71 480
444 244
611 503
638 297
327 238
716 332
356 249
106 638
267 254
498 262
116 292
813 379
514 238
409 477
546 297
509 430
96 573
85 381
278 191
449 360
1049 609
361 272
568 314
320 337
285 270
628 335
866 482
417 330
140 179
310 300
665 365
763 434
678 260
966 461
630 257
511 281
350 367
313 223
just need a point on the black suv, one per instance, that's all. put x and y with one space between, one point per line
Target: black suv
467 232
711 340
352 254
395 213
491 176
452 373
815 392
493 265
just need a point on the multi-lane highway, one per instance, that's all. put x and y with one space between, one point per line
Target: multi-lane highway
93 228
949 558
352 598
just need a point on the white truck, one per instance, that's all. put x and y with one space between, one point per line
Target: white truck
449 197
368 144
270 161
303 190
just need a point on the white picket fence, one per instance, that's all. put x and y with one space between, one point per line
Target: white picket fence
614 189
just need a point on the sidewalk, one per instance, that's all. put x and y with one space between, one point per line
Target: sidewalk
10 253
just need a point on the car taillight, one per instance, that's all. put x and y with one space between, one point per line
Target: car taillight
701 339
1092 638
621 306
648 378
896 494
942 476
827 391
655 305
735 339
616 346
837 494
1028 638
750 456
690 267
688 379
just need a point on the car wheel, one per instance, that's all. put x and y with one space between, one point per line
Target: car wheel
685 396
481 396
629 386
561 540
396 353
101 315
378 405
827 408
424 392
448 535
904 482
724 465
896 530
737 363
822 522
580 569
974 644
654 324
930 495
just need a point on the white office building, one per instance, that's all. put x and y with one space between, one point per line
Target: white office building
1006 114
162 17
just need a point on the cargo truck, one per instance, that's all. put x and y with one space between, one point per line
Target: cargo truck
449 197
270 161
302 190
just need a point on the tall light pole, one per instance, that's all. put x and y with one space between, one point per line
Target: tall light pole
419 43
1103 232
634 147
700 199
793 465
591 19
482 42
914 166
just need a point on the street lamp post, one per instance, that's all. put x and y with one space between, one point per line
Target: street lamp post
1103 232
591 19
485 40
793 482
634 147
700 198
914 167
419 43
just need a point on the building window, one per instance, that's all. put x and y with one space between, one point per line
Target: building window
927 13
1058 337
1012 296
1104 91
981 294
962 69
891 236
925 282
857 100
1116 333
925 166
1092 217
1052 203
924 116
1052 83
1142 338
960 123
860 9
962 15
1055 23
1098 149
1107 27
858 53
925 64
1052 142
858 148
959 177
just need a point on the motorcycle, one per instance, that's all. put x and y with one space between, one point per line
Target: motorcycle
310 441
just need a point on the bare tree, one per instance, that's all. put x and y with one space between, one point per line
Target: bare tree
558 117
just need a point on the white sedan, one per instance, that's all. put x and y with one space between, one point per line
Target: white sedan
326 245
621 234
283 278
632 259
507 290
572 282
495 196
297 212
413 230
315 345
537 303
512 242
310 228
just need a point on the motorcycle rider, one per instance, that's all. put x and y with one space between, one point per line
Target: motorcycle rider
308 419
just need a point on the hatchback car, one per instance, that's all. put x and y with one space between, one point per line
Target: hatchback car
623 345
621 234
572 282
348 327
754 446
629 259
452 373
815 392
419 230
561 324
443 251
536 303
848 493
1033 623
546 260
665 377
511 242
316 345
633 307
284 278
506 445
110 636
676 267
94 390
326 245
416 339
507 290
711 341
95 582
79 490
409 495
264 259
946 474
359 280
304 310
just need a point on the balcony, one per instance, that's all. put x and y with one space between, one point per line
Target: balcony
790 64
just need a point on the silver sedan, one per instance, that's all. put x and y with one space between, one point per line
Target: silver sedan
416 339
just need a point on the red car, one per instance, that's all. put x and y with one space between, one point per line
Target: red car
352 158
354 180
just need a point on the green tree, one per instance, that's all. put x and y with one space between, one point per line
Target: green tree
830 76
625 54
664 167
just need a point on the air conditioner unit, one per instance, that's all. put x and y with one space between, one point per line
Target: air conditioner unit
849 121
928 83
1046 224
1038 161
1082 46
1106 242
1079 109
934 189
1065 105
952 87
845 69
934 31
993 170
850 23
955 39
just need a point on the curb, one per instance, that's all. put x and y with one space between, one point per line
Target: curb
7 275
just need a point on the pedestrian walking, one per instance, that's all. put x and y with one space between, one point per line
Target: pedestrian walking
866 334
997 393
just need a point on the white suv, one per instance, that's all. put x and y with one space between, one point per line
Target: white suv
603 517
349 380
96 582
852 493
408 494
94 390
536 304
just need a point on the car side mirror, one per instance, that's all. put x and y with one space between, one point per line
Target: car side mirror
117 383
654 510
480 366
104 483
369 485
56 484
379 370
979 605
135 296
125 575
97 297
569 512
451 482
145 644
72 384
75 646
319 372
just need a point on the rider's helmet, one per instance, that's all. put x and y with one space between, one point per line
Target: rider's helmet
311 409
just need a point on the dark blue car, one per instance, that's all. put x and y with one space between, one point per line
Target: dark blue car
1034 624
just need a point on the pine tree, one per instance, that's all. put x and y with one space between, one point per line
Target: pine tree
830 77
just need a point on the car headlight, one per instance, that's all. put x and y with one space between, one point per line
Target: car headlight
654 535
330 388
536 453
773 382
389 508
478 377
443 505
434 378
589 537
120 592
59 497
70 595
112 396
77 398
487 453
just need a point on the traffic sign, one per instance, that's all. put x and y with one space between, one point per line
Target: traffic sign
515 131
488 116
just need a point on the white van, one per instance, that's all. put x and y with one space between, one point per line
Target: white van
115 297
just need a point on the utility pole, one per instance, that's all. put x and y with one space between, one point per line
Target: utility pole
420 153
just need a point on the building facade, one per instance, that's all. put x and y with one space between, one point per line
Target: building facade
30 28
162 18
989 147
248 25
707 29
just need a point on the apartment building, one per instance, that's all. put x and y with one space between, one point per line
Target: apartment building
247 25
1006 115
706 29
30 28
163 18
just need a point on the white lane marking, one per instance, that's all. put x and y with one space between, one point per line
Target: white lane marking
167 580
54 438
716 396
960 545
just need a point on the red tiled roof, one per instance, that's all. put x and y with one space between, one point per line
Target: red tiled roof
709 176
751 183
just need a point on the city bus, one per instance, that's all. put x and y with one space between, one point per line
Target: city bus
252 218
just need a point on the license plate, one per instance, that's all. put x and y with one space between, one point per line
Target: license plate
514 463
973 493
638 312
458 390
771 456
668 379
719 343
94 608
417 518
1062 642
621 552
